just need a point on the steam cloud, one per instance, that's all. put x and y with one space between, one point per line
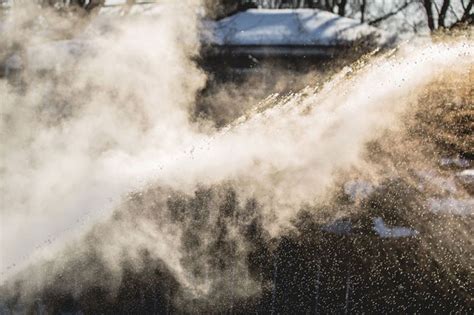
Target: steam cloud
113 116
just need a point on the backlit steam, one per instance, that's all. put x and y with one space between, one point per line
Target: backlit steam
113 118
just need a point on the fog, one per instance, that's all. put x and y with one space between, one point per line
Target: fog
114 117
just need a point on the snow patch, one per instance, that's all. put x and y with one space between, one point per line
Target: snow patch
358 189
392 232
451 206
454 162
467 175
340 227
298 27
431 178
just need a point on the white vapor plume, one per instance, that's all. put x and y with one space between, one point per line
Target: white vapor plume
125 95
115 118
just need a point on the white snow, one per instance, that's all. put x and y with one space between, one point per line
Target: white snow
358 189
341 227
432 178
466 179
296 27
467 175
451 206
115 2
456 161
150 9
393 232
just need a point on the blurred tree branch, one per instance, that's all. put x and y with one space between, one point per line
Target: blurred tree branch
467 15
442 13
390 14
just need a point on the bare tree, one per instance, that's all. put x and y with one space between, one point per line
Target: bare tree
390 14
467 16
429 14
341 7
363 5
442 13
84 5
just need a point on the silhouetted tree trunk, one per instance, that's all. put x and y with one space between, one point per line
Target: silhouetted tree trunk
468 16
442 13
330 5
429 13
362 10
342 8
